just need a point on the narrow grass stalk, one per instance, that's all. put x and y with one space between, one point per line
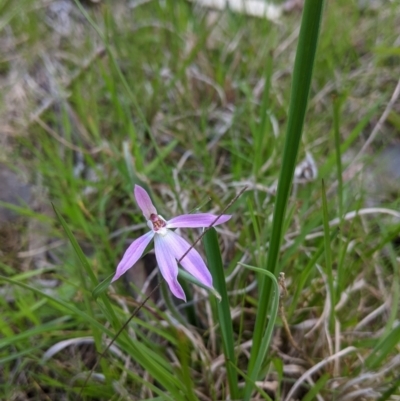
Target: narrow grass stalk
259 389
382 349
313 393
81 256
336 124
302 280
328 256
214 261
394 388
337 102
101 287
395 290
261 132
350 139
184 357
268 331
56 324
302 74
86 266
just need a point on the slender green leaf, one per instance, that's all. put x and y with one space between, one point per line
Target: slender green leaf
319 385
392 390
328 257
163 153
261 133
253 383
100 288
336 131
17 355
302 73
383 348
78 250
215 265
56 324
184 357
266 340
350 139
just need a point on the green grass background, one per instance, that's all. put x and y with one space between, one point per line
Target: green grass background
194 105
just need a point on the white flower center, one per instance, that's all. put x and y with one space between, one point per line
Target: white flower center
157 224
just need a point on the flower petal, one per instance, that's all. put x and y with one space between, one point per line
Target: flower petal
168 266
192 262
197 220
144 202
132 254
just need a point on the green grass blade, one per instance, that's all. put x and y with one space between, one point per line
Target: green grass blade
78 250
85 264
304 277
262 132
384 347
259 390
336 131
328 256
18 355
67 305
395 292
56 324
302 74
393 390
216 267
100 288
164 152
351 138
184 357
312 394
266 340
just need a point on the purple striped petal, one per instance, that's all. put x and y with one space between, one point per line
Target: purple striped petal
132 254
197 220
168 266
144 202
192 262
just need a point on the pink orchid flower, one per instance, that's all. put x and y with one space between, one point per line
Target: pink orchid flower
169 246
